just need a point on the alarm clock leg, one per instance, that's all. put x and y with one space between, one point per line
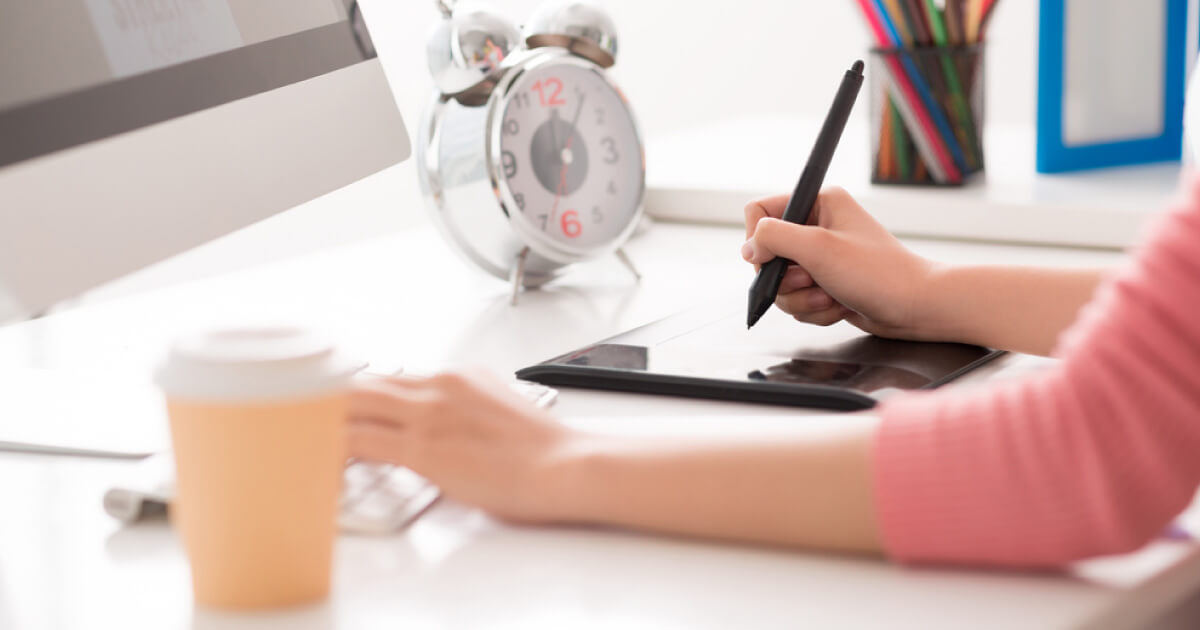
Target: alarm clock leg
628 262
517 277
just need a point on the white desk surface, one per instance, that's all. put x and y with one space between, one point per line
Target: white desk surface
65 564
706 174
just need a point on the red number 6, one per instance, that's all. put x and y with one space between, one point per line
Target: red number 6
570 224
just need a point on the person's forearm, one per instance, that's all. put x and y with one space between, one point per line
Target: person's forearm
1012 308
808 487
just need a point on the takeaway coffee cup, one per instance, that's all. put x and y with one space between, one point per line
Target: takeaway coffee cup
257 425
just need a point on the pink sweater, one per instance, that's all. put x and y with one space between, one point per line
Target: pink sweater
1094 456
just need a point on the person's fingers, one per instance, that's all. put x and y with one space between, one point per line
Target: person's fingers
473 376
752 213
405 380
373 400
796 278
390 381
834 207
807 300
808 246
470 382
832 201
386 401
827 317
761 208
449 381
373 441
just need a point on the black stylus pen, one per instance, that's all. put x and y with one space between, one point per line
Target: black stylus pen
766 284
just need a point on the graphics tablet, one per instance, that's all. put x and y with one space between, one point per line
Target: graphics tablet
708 353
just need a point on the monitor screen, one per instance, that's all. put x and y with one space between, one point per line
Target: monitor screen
76 71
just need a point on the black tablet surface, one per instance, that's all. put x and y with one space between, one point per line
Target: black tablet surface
708 353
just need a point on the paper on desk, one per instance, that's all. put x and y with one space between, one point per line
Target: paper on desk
45 408
47 411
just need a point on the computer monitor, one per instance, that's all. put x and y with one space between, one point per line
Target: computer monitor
132 130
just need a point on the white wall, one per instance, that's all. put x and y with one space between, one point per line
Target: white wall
681 63
685 63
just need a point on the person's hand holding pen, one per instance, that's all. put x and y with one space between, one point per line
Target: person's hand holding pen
847 265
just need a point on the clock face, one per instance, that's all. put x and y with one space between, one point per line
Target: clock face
570 155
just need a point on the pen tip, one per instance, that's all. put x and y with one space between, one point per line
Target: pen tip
752 319
857 68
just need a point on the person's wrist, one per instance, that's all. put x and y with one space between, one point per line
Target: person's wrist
945 293
563 477
926 318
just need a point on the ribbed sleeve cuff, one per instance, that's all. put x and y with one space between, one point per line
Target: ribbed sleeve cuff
905 484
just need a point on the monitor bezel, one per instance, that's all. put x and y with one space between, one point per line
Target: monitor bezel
75 218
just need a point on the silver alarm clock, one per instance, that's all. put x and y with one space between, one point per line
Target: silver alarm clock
529 155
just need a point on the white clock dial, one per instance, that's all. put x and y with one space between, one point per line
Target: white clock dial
570 156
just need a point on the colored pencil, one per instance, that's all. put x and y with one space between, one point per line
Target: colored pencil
877 131
957 94
900 141
920 22
953 17
895 16
989 7
973 19
952 72
938 160
922 90
876 122
886 150
986 10
921 130
901 13
936 26
927 86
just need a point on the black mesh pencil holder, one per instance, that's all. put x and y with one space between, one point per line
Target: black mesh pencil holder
926 115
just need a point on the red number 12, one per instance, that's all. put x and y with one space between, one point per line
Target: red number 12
557 86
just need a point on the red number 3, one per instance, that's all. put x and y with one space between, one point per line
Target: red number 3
554 84
571 225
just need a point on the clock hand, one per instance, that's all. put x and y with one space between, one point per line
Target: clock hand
575 121
562 174
558 190
562 183
554 129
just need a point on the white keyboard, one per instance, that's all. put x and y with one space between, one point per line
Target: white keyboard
381 498
376 498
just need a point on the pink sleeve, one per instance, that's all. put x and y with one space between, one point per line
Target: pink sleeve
1094 456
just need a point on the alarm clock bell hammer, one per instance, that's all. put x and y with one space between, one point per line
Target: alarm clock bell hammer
770 275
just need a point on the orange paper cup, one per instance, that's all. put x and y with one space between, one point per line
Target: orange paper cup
258 428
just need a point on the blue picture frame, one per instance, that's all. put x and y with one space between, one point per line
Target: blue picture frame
1053 156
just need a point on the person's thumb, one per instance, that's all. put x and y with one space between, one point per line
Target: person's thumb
805 245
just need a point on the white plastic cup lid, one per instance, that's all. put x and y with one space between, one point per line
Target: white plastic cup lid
254 364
